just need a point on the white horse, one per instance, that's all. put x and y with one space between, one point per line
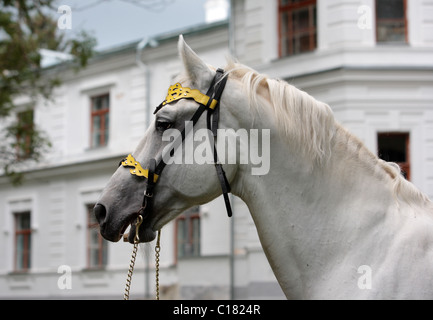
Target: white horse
333 219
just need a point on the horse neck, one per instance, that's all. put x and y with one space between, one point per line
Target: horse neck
319 221
297 206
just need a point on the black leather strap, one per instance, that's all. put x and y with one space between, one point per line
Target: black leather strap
148 192
220 82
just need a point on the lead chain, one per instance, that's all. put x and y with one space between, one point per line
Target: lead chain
130 271
157 250
133 257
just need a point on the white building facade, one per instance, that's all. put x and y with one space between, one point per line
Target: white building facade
371 63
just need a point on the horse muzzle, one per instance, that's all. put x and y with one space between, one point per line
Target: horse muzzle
114 230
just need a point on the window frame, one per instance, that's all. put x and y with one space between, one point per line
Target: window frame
405 20
189 217
104 129
26 254
102 245
290 35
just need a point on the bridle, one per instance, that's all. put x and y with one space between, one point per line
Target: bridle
209 102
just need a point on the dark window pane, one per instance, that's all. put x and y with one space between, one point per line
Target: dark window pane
181 238
391 31
22 241
390 9
393 148
300 19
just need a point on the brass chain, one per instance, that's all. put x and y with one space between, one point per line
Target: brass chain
133 257
157 250
130 271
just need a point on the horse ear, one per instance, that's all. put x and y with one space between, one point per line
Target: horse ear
197 70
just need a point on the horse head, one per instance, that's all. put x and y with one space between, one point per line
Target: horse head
182 184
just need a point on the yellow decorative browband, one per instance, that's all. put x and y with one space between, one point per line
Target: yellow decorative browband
137 169
177 92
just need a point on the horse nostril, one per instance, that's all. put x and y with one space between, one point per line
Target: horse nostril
100 213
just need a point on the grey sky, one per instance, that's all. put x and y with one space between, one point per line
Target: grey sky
116 22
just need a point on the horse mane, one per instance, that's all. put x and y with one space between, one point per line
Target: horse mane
309 125
303 121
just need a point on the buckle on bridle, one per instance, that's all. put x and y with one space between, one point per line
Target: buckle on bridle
148 195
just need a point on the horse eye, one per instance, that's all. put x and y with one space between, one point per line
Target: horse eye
163 125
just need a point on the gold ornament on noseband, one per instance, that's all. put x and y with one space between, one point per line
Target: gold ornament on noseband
137 169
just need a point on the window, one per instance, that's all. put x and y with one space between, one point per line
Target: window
394 147
297 26
24 134
188 234
97 247
391 22
23 236
100 116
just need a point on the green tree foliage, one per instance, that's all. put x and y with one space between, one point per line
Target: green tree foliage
26 26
